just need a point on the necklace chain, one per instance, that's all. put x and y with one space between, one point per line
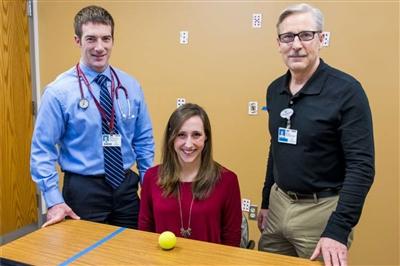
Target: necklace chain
188 231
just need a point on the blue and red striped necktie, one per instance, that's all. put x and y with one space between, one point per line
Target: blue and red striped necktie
113 164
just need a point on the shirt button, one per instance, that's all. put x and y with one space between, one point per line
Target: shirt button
291 102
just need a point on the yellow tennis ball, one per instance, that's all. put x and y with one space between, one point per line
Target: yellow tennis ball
167 240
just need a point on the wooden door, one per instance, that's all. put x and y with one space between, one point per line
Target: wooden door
18 205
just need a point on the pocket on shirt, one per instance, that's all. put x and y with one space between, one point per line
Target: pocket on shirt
128 124
130 117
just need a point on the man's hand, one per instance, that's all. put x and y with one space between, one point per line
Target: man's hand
262 219
58 212
333 252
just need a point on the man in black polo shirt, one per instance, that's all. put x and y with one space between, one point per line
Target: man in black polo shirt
321 159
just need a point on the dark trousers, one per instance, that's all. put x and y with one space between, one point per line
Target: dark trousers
93 199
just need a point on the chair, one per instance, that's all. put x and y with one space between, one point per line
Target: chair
244 240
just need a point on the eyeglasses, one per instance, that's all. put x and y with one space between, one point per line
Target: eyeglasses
289 37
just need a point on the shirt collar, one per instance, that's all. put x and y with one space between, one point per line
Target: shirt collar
312 86
91 74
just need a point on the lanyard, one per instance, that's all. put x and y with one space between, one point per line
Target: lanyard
98 105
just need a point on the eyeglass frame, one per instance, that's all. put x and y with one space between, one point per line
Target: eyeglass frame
298 35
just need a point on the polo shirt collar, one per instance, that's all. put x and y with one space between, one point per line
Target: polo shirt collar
313 85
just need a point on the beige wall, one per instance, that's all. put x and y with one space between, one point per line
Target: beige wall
227 63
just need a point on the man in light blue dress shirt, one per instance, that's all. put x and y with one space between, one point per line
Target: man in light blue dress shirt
68 130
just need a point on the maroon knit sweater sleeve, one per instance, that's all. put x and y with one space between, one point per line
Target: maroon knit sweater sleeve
146 218
231 212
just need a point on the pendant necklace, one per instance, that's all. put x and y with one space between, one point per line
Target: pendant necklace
188 231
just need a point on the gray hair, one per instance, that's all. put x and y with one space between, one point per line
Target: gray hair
302 8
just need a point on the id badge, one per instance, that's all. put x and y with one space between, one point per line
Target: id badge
287 135
113 140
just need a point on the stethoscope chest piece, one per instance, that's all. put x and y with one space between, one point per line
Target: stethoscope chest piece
84 103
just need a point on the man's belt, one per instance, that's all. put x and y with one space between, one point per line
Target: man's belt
314 196
126 172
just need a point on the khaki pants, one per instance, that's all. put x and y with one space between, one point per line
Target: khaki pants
294 227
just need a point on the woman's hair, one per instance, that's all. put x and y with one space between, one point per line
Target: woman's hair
170 168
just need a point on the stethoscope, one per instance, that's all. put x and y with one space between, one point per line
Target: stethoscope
84 102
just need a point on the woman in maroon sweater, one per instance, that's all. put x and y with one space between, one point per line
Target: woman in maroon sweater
189 193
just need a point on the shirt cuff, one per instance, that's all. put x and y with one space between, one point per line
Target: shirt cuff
53 197
143 165
336 231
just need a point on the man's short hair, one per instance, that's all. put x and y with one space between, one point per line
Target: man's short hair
302 8
94 14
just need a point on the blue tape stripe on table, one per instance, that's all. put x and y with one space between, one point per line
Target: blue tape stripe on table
90 248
